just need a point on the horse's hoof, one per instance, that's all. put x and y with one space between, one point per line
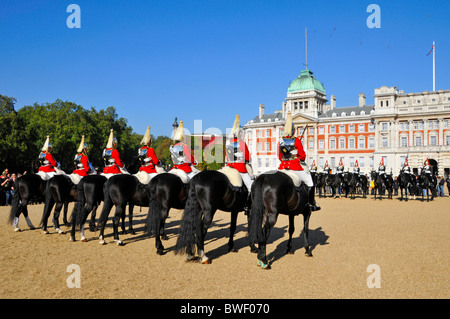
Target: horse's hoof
45 232
72 239
190 258
60 231
102 242
232 250
84 239
290 252
263 265
160 252
119 243
253 250
206 261
17 229
308 254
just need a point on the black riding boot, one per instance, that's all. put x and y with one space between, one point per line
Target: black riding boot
311 200
248 204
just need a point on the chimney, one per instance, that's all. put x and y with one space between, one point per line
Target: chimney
261 110
333 102
362 99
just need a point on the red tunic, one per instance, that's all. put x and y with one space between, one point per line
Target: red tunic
240 166
295 163
50 167
187 152
114 169
82 171
150 167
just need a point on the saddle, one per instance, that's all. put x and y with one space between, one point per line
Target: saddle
233 175
181 174
295 179
143 177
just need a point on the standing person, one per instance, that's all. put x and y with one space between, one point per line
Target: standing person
48 162
448 185
111 157
238 157
4 181
147 155
441 183
181 154
292 157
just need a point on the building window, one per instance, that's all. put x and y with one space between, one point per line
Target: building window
341 143
381 103
433 140
259 133
371 127
447 140
306 105
333 144
321 130
418 125
385 126
311 131
404 141
333 162
351 143
259 162
372 161
361 128
321 161
267 146
332 129
295 106
384 142
259 146
311 144
361 162
321 144
267 133
341 128
352 161
267 162
418 140
371 142
361 142
387 103
351 128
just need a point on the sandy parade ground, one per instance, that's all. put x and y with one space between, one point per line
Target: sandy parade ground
362 249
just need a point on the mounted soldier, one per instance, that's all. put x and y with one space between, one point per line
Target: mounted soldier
406 169
147 156
238 157
292 157
181 154
49 165
111 157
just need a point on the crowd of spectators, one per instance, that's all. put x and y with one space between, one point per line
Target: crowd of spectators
7 181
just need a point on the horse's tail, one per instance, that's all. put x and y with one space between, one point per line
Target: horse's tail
14 203
256 216
191 229
154 210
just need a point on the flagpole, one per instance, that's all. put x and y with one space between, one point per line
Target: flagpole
434 67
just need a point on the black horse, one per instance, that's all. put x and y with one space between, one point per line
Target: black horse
60 190
120 190
353 182
274 194
165 191
382 184
27 188
320 184
406 183
208 192
364 185
90 195
428 182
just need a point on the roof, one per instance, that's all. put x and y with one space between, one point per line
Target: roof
306 82
338 111
277 116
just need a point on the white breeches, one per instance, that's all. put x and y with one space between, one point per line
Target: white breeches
305 177
247 181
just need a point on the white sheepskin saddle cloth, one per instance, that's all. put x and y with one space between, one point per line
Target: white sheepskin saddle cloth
181 174
295 179
233 175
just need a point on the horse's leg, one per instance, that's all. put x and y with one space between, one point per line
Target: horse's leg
208 215
232 230
92 227
27 219
66 208
130 219
56 213
306 216
107 206
162 231
120 212
291 231
49 203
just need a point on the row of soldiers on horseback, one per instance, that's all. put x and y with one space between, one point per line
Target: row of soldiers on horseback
117 187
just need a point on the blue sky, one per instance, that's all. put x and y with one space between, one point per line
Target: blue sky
209 60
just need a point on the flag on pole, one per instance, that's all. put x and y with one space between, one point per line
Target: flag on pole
432 48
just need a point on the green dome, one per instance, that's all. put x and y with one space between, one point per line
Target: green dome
305 82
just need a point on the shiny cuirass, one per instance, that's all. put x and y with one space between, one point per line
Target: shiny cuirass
109 161
177 154
287 149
